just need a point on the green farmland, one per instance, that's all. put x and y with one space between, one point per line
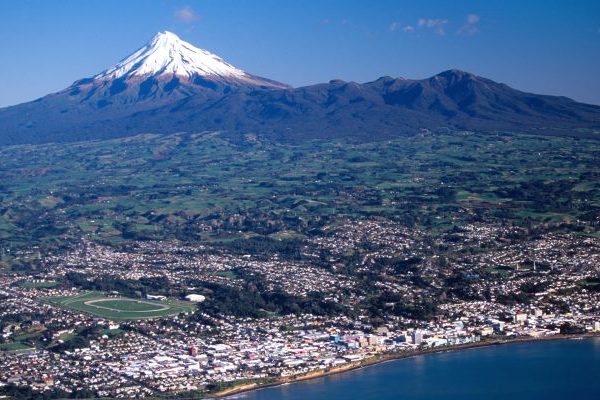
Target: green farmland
166 187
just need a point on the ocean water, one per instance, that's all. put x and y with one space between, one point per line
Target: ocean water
562 369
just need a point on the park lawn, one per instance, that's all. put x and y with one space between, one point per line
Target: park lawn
14 346
38 285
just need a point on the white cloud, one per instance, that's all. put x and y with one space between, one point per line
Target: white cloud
438 25
394 26
472 18
186 14
470 26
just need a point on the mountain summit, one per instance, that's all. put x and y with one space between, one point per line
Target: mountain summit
164 70
169 86
166 56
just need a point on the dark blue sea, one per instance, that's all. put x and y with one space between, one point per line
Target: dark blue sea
562 369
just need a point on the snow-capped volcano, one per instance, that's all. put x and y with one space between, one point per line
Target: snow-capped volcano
165 70
171 86
166 56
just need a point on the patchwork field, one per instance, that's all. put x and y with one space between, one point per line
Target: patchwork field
187 186
121 308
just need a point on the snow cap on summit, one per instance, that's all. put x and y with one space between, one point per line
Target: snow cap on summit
167 55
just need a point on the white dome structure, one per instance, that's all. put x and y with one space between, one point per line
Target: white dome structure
195 298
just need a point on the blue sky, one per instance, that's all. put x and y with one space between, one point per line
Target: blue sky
549 46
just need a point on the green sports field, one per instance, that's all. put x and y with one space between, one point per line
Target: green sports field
121 308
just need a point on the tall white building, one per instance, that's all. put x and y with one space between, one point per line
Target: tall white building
417 337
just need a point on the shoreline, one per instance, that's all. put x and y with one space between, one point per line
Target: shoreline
386 357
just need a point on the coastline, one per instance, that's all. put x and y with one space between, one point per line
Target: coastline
386 357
